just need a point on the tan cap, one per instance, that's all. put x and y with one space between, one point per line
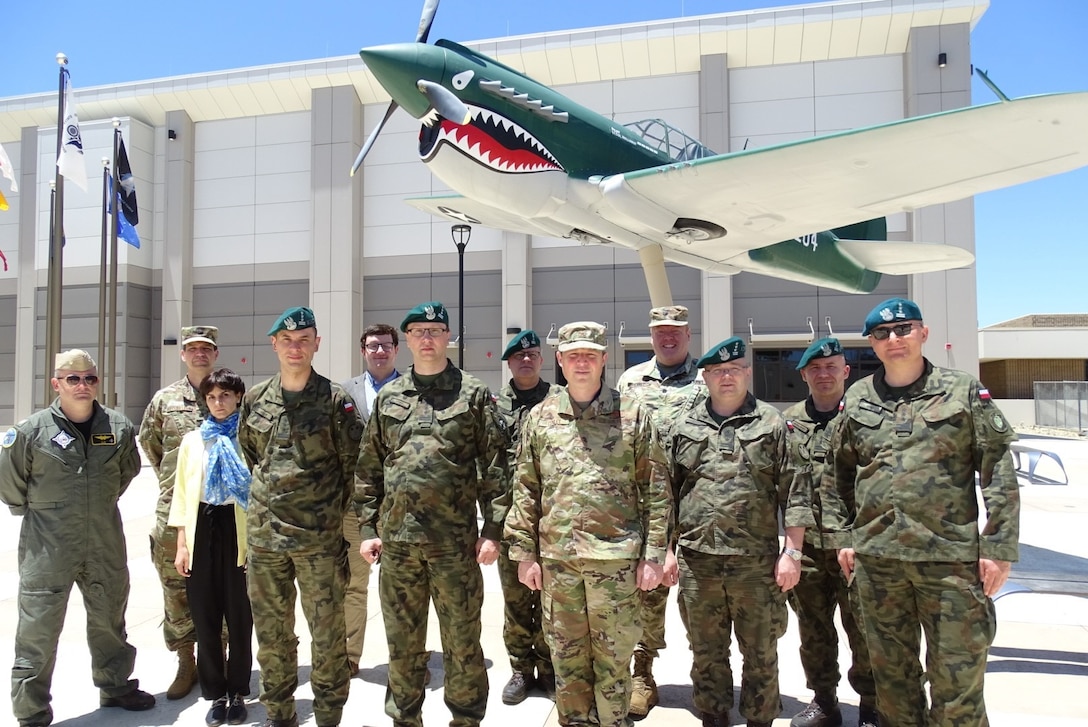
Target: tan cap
74 360
583 334
669 315
192 334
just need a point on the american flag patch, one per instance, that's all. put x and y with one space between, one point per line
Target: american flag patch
984 394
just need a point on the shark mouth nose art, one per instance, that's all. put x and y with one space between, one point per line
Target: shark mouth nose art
491 140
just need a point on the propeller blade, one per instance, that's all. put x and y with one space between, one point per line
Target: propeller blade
445 102
426 19
372 138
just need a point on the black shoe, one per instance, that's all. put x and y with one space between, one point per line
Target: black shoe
818 715
236 710
714 720
134 701
545 681
753 723
291 721
867 717
517 689
217 715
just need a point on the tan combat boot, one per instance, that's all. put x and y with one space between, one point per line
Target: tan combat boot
185 679
643 687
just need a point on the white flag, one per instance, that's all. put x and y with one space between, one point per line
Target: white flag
6 169
70 161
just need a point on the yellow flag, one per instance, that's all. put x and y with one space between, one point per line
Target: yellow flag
3 202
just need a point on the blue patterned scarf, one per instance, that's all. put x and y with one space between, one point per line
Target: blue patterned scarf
227 474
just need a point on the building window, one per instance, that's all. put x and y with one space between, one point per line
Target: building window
775 376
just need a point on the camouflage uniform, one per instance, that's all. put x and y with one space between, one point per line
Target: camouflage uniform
173 412
590 501
522 629
902 494
430 454
66 490
730 479
655 391
822 586
302 447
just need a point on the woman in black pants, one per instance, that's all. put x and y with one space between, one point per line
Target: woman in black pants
211 492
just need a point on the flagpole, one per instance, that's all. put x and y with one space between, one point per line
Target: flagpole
102 270
55 285
111 371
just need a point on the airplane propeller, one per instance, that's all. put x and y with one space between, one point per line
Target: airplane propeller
442 99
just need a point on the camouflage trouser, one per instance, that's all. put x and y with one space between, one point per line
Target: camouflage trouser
355 598
592 620
177 624
737 592
653 621
946 600
823 588
522 631
321 577
410 576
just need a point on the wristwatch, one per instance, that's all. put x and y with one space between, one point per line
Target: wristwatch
791 552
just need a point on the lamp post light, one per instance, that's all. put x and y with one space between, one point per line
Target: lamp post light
461 235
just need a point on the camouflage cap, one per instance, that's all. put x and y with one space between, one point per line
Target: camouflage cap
669 315
74 360
192 334
294 319
891 311
728 350
582 334
820 348
520 342
430 312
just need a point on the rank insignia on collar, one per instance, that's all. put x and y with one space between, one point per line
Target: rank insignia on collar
63 439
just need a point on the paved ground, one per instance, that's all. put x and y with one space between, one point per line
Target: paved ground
1037 669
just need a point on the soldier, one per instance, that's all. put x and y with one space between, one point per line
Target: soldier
589 527
175 411
653 383
379 345
901 504
63 470
731 478
301 436
434 448
822 587
530 659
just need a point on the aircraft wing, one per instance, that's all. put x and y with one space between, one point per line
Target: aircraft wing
762 196
458 208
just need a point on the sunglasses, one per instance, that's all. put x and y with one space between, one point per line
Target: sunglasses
73 380
900 330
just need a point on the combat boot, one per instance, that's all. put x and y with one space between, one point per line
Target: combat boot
643 687
545 681
517 689
822 711
867 716
185 679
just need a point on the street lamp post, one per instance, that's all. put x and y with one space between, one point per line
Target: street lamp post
461 235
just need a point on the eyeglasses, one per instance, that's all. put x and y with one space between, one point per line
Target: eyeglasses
73 380
428 332
730 371
900 330
375 347
527 355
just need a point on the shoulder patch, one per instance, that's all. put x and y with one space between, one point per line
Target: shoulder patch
9 438
998 423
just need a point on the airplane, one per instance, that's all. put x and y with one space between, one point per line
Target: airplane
524 158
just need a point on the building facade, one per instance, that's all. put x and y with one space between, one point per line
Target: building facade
246 206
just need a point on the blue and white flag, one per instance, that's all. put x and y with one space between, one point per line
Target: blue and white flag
70 161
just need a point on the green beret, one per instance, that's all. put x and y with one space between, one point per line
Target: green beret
820 348
430 312
583 334
520 342
728 350
893 310
294 319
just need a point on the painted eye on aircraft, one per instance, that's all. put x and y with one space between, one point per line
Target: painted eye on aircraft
461 79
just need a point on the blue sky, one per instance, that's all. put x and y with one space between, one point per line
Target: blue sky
1028 246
